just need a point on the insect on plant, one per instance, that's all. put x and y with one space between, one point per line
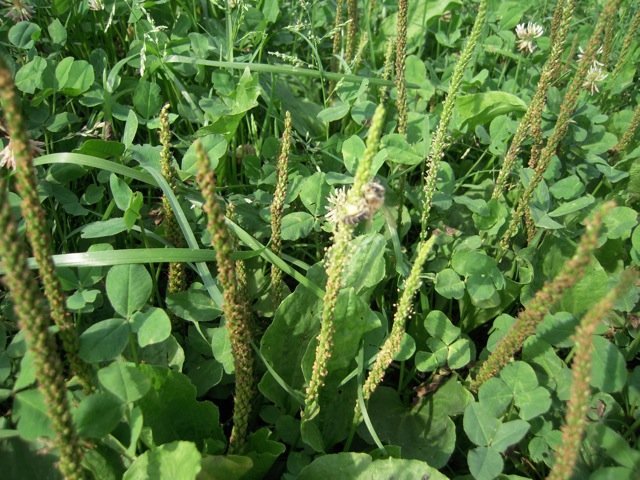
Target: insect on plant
371 201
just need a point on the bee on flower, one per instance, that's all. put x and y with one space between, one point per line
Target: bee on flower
526 35
352 213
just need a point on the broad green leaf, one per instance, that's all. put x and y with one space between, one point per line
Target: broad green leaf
485 463
27 375
172 461
399 151
333 113
557 329
104 340
573 206
416 72
24 34
459 354
495 396
128 288
519 377
439 326
124 380
620 221
480 287
567 188
352 151
204 374
121 192
509 434
361 466
285 342
426 434
152 326
427 12
608 369
533 403
479 424
107 228
25 460
314 194
587 292
193 305
74 77
366 266
62 121
130 129
480 108
171 411
264 451
60 7
147 99
296 225
215 147
469 262
475 205
98 414
29 77
57 32
449 285
407 348
614 444
132 212
221 348
30 412
225 467
436 358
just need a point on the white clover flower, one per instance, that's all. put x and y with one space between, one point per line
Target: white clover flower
17 10
337 200
526 34
8 158
96 5
595 61
594 76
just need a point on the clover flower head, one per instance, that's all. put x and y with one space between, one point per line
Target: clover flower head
96 5
595 60
17 10
594 76
526 34
8 158
337 200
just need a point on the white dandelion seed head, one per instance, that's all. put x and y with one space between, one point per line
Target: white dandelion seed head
526 35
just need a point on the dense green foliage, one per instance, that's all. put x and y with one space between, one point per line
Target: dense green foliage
92 78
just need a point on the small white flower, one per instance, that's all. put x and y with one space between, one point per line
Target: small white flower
595 61
17 10
526 34
8 158
594 76
337 201
96 5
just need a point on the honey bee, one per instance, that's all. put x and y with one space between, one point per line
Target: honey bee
371 201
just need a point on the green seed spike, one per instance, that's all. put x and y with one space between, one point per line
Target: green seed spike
236 310
38 232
